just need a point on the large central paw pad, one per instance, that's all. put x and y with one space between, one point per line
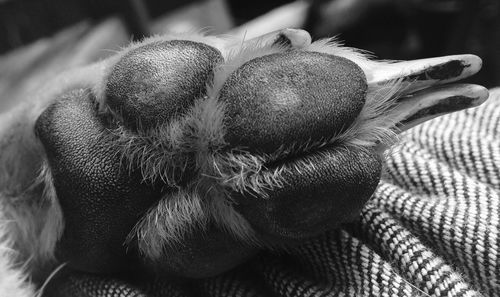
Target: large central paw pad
192 152
291 98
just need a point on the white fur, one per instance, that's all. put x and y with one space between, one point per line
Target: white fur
13 279
30 217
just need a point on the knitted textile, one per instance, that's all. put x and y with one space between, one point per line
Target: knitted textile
431 229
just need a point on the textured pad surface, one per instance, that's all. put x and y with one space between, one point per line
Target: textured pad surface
291 98
321 191
157 81
100 199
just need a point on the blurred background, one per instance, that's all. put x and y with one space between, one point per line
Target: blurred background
39 38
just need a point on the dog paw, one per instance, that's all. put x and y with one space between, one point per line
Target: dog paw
191 153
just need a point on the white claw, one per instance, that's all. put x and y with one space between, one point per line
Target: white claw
424 73
424 87
428 104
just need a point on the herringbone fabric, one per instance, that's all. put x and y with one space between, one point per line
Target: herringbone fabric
431 229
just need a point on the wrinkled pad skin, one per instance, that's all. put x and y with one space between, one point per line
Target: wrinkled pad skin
153 83
317 197
291 98
101 201
204 253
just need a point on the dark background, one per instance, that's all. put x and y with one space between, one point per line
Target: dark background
404 29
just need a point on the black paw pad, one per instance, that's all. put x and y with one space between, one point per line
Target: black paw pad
100 198
157 81
292 97
204 252
321 191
